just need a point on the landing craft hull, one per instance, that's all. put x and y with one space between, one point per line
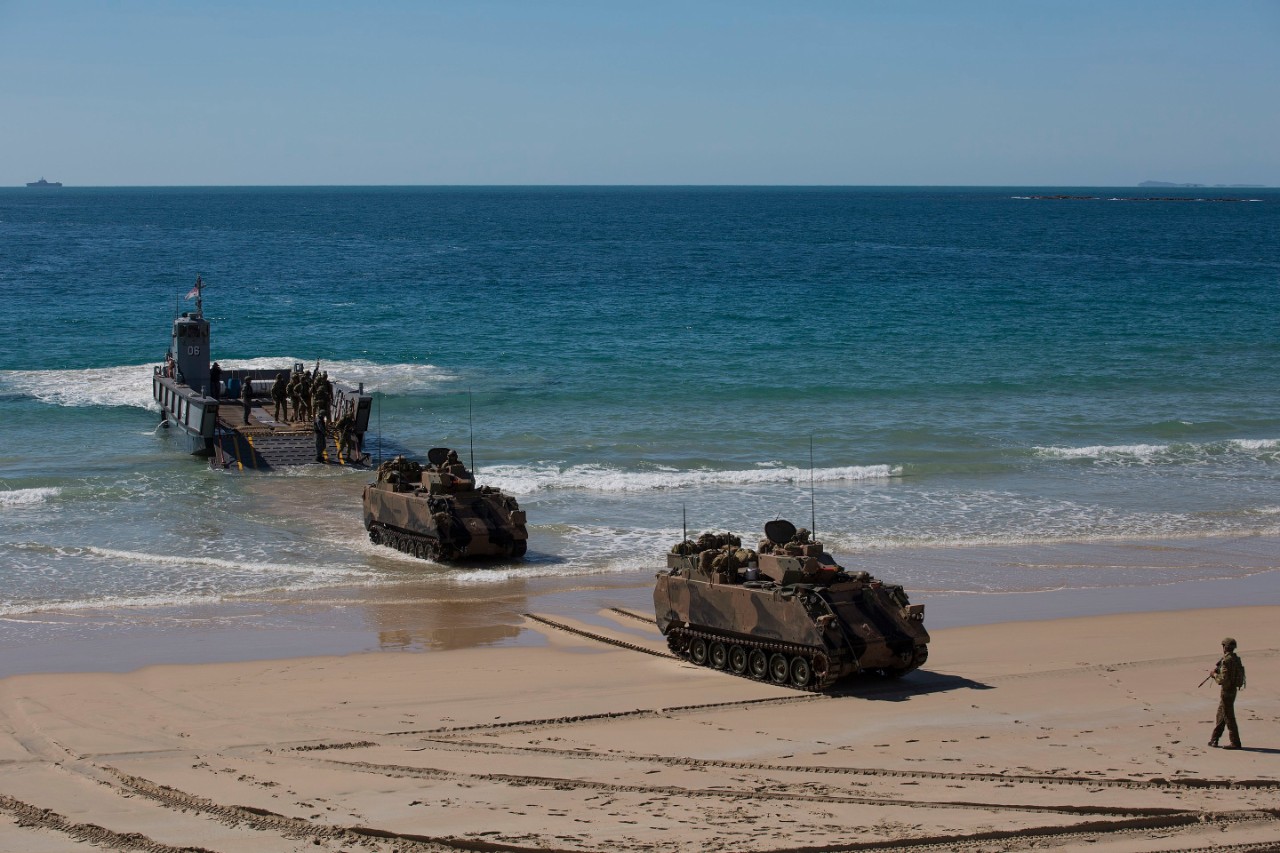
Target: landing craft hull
213 428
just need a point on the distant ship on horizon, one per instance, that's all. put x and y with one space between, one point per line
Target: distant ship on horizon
42 184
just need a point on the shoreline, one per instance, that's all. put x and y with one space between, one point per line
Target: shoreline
1086 730
428 615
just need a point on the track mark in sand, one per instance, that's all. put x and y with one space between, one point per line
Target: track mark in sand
355 744
292 827
648 620
549 722
1036 837
622 644
28 815
1196 660
565 783
1159 783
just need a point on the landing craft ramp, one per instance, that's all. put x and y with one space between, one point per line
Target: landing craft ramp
265 443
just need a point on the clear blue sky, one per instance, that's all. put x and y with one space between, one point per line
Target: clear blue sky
1015 92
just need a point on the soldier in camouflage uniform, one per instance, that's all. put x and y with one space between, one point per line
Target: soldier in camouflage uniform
295 392
246 397
320 394
279 393
346 432
1230 674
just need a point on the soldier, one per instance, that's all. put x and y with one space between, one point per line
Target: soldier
279 391
296 397
246 396
321 428
1230 674
346 432
215 381
453 465
316 391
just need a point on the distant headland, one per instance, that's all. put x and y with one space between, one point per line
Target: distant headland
1201 186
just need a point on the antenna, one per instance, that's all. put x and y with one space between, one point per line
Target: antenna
472 429
379 427
813 501
684 523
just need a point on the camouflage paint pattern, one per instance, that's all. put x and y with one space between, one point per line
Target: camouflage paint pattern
450 518
800 605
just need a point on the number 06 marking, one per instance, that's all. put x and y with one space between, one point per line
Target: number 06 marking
193 350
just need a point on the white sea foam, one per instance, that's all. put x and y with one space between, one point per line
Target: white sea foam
130 385
27 497
187 560
1151 453
526 480
386 378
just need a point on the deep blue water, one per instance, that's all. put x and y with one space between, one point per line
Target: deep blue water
974 369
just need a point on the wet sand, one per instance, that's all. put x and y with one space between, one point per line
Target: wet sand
422 606
1063 733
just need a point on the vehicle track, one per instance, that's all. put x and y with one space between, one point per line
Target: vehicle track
549 722
1158 783
27 815
622 644
1036 838
565 783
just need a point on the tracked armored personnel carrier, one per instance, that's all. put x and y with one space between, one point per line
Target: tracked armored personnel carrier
436 512
785 613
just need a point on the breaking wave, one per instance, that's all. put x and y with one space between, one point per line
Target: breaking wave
27 497
1154 454
527 480
130 385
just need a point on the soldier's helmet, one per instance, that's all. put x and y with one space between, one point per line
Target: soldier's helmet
1229 644
452 457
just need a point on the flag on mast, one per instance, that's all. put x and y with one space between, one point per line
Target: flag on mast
195 291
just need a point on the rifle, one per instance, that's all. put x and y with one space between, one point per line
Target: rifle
1211 674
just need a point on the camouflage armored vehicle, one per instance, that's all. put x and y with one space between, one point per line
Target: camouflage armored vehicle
436 512
785 612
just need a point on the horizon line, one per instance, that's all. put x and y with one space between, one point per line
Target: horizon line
1164 185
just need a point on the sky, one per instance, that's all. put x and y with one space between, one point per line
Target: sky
792 92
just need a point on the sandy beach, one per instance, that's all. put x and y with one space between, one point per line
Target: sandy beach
1068 733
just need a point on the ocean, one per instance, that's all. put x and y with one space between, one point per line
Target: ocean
969 391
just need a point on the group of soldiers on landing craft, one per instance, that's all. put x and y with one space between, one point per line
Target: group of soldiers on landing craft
310 396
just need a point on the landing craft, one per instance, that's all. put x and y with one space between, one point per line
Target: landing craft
785 613
205 405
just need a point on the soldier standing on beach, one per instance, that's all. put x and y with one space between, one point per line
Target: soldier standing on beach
1230 674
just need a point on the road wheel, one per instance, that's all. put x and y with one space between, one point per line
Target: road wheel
718 655
737 659
758 664
779 668
698 651
801 672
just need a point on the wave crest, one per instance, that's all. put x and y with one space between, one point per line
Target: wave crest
527 480
28 497
130 385
1152 454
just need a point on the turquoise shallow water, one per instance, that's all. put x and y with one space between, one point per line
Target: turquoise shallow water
975 369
